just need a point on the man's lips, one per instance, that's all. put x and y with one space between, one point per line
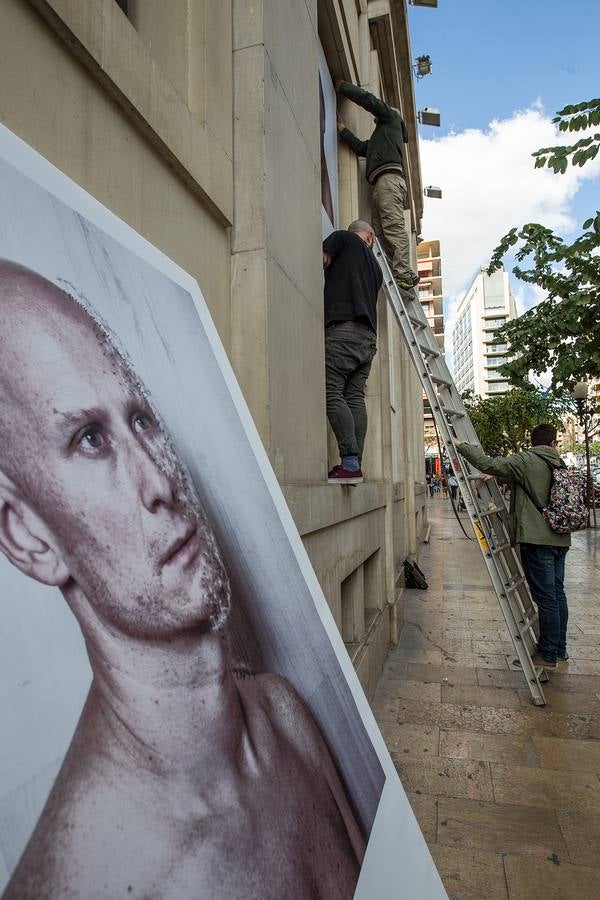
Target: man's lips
182 547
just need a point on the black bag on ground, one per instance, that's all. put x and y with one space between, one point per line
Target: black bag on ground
413 577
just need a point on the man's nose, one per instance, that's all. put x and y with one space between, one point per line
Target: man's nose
156 487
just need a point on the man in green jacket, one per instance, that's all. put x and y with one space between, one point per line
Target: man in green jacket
543 551
385 171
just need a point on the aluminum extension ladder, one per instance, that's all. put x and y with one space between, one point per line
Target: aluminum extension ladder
482 498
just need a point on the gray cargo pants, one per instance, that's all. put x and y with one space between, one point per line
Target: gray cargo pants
349 351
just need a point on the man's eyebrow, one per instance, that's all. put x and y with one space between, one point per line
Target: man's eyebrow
76 416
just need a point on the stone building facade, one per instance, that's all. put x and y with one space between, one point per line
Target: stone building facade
197 122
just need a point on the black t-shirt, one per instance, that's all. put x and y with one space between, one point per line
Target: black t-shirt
352 280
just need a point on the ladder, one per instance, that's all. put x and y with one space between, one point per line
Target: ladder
482 498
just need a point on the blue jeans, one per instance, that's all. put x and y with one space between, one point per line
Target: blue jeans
544 569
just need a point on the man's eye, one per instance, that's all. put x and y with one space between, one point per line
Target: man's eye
141 422
92 438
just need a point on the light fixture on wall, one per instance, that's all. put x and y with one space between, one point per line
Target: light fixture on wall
429 116
422 66
431 4
432 190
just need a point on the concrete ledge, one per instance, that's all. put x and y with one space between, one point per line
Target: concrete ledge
101 38
317 506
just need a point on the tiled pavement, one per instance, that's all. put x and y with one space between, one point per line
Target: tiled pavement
507 794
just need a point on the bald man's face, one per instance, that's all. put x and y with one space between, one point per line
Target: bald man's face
98 470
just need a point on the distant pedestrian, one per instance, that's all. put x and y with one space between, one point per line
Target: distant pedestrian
453 485
543 550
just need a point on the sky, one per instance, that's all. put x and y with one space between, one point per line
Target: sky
501 69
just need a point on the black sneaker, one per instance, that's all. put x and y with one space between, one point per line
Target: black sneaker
564 657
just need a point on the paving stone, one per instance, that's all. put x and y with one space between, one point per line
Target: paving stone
538 720
470 875
505 748
588 666
544 880
493 647
582 837
565 702
425 657
445 777
450 716
419 690
479 696
499 828
437 673
563 681
523 786
411 740
425 810
499 678
574 756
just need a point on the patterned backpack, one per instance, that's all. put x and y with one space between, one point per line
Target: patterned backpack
566 509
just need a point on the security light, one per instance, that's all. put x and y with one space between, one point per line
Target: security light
429 116
432 4
422 66
432 190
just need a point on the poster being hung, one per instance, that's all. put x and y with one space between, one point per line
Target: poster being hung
329 142
180 718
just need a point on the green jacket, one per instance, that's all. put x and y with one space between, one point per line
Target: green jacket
385 147
527 524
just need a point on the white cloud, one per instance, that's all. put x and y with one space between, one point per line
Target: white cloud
489 185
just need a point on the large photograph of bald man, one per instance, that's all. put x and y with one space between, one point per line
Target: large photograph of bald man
202 729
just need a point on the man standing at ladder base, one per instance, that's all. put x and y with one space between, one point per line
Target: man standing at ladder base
543 550
385 171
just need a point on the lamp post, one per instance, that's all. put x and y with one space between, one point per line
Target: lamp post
584 410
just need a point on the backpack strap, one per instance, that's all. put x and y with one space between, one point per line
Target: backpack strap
539 508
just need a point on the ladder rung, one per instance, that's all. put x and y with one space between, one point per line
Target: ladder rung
500 548
491 510
428 350
448 411
416 323
439 379
529 623
514 584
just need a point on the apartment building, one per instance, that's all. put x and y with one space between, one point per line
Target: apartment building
429 267
487 304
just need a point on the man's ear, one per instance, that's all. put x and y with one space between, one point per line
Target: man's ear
25 541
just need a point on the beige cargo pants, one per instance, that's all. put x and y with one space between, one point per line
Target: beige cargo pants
387 218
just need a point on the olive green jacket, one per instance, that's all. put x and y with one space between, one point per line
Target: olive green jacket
527 524
385 146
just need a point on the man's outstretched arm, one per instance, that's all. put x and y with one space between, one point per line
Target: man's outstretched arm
505 467
349 138
368 101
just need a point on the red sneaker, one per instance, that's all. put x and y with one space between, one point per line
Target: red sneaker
339 474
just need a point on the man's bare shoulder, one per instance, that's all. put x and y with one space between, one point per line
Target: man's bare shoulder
286 710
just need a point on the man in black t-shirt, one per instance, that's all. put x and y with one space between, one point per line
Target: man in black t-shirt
352 282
